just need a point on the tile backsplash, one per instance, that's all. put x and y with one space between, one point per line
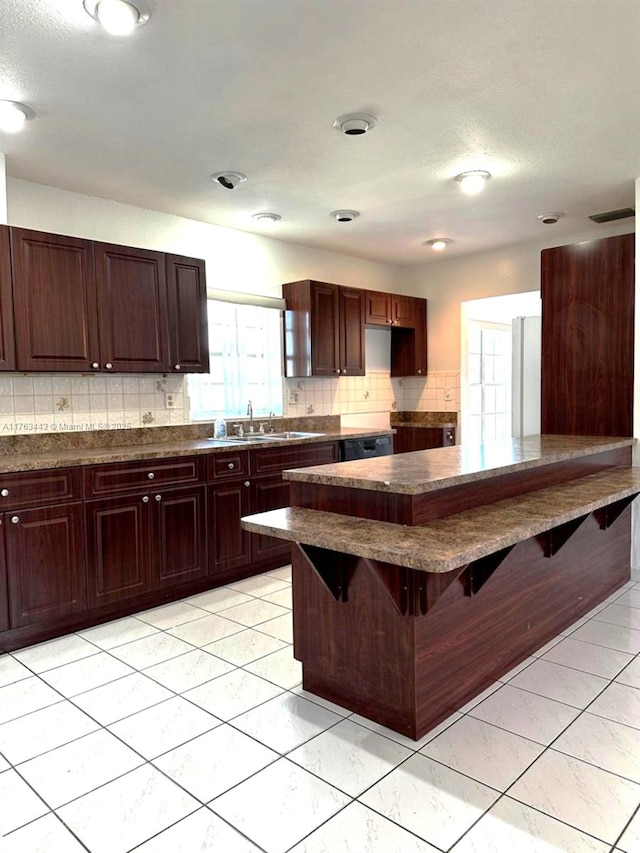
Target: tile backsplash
39 403
61 402
372 393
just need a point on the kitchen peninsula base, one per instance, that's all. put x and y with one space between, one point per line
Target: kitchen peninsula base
402 636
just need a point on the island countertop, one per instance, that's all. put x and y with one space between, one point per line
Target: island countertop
428 470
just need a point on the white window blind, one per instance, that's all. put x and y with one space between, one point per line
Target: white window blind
245 351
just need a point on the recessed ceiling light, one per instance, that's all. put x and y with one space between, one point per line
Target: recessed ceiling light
267 218
345 215
229 180
472 182
14 115
355 124
118 17
439 243
549 218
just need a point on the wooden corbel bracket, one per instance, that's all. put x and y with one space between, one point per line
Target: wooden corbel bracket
474 575
334 569
551 541
606 515
412 591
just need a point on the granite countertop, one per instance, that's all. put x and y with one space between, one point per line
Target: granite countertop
53 457
427 470
455 540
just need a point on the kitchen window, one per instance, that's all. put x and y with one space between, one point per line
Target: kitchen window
245 351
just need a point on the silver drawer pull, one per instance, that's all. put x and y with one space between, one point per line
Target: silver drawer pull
176 367
15 519
158 497
4 493
150 475
95 365
145 499
247 483
231 466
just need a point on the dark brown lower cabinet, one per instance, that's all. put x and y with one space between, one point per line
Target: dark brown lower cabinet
410 438
179 536
269 493
229 544
118 548
145 542
45 563
4 594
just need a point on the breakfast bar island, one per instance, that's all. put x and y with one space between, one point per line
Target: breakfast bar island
421 578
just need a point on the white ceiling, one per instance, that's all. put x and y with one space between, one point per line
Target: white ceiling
545 94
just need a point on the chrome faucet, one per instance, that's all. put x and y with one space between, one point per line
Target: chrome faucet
250 414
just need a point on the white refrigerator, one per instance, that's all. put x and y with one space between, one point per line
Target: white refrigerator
525 375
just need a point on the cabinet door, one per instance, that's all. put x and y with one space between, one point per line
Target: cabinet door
45 563
179 536
588 303
229 544
270 493
132 309
403 311
7 342
351 331
377 311
4 596
118 548
420 340
325 329
187 303
54 290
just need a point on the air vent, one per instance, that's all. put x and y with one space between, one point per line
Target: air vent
612 215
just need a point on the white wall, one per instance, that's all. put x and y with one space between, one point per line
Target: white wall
235 260
448 283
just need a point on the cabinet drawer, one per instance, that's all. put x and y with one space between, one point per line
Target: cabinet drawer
38 488
270 460
226 465
134 476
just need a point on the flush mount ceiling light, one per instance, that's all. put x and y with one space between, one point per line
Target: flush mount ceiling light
14 115
472 182
549 218
355 124
439 243
118 17
267 218
345 215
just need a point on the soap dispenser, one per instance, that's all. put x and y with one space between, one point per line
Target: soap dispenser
220 428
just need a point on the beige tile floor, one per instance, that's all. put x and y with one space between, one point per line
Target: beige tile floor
185 728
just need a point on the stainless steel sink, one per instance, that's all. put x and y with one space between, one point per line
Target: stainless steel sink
282 436
269 436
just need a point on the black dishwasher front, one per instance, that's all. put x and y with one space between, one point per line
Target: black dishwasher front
366 448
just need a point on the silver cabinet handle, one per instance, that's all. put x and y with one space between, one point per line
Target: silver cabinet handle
150 475
158 497
419 371
176 367
108 365
145 499
247 483
15 519
4 493
95 365
230 466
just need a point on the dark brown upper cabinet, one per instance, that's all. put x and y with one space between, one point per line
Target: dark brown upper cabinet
389 309
7 343
187 301
323 329
132 309
406 316
54 291
87 306
588 300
